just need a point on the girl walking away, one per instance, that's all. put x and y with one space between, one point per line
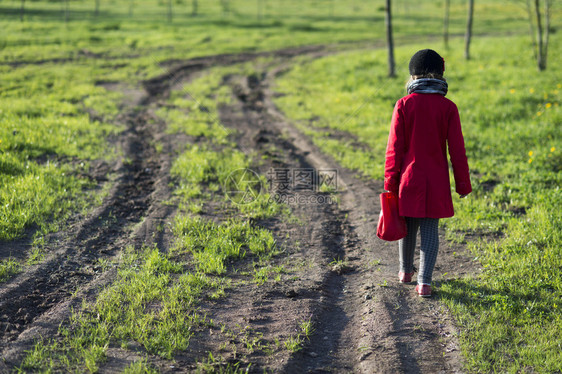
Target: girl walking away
424 124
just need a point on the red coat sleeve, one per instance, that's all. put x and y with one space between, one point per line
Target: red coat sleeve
457 153
395 149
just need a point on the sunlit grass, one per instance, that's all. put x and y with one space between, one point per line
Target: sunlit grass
214 161
42 129
47 139
8 268
140 367
212 245
120 31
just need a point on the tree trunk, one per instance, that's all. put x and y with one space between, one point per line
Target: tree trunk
468 34
389 39
542 33
540 55
22 12
97 11
532 28
66 10
539 34
446 24
194 7
547 4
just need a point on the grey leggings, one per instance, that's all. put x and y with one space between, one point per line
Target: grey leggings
429 247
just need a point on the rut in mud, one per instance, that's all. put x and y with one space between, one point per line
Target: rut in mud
364 320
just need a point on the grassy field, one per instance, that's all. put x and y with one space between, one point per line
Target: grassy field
51 130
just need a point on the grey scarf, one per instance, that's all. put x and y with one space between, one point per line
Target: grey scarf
428 85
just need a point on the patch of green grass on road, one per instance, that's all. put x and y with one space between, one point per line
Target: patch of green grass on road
8 268
211 245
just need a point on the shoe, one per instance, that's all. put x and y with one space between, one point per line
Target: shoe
405 277
424 290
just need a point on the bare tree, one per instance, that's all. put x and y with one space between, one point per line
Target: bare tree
389 39
540 35
468 35
446 23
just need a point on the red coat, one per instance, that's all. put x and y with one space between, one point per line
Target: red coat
416 155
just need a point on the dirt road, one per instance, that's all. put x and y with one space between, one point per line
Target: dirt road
364 320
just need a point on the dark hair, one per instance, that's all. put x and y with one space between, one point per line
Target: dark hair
426 61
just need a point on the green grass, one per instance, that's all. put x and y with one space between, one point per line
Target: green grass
43 132
510 315
48 138
212 245
154 300
295 343
216 365
140 367
117 34
214 161
8 268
